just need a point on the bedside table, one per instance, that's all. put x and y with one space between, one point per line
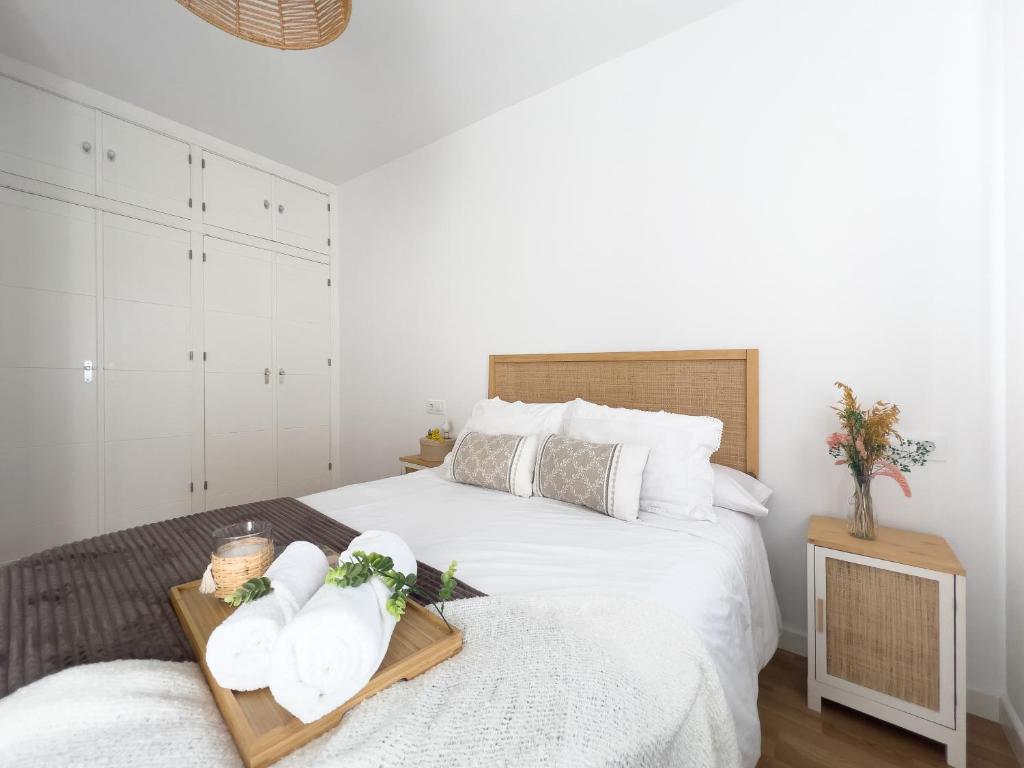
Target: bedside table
886 629
416 462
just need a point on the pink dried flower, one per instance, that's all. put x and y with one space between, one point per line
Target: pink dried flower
890 470
861 451
837 439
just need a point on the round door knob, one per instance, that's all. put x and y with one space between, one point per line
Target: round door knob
111 155
280 209
86 147
266 204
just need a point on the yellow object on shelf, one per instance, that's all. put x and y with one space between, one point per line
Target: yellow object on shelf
435 450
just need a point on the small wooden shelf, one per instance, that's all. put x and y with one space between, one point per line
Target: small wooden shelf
415 462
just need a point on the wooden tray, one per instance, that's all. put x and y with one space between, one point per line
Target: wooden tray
263 730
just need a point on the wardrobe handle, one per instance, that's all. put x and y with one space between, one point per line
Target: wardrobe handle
111 155
86 147
280 208
266 375
87 371
266 204
281 374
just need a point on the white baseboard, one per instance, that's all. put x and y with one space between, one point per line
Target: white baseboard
793 641
983 704
1013 727
979 703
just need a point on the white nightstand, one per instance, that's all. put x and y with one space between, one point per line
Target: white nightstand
886 631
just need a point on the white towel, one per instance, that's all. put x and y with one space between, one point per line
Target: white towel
383 543
238 651
337 641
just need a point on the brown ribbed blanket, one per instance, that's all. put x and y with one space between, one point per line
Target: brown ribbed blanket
106 598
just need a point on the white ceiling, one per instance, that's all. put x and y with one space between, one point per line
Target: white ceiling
404 74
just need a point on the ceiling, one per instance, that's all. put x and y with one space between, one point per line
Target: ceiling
404 74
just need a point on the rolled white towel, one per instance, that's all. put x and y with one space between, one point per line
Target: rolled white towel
383 543
239 649
335 644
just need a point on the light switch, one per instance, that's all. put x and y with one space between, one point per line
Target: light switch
436 407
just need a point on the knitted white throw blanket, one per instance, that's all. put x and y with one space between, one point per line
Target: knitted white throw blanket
542 680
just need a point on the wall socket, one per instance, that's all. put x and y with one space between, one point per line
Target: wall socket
436 407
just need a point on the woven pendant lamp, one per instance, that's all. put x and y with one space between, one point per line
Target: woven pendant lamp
290 25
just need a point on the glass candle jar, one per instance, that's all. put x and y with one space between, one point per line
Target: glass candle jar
241 551
240 539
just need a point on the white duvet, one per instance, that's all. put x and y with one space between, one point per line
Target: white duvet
713 575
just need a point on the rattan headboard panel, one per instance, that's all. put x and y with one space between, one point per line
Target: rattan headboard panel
719 383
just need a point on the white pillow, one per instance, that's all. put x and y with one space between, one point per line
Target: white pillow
496 417
750 484
677 481
605 477
739 491
499 462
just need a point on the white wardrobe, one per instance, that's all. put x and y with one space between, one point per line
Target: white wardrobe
266 374
166 321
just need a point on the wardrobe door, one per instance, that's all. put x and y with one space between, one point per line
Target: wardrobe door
237 197
303 383
45 137
48 390
148 375
145 168
301 216
240 448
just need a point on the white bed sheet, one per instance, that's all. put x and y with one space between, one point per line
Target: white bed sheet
715 575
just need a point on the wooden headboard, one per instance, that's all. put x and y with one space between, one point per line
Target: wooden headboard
707 382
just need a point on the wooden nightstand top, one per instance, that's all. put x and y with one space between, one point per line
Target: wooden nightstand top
419 461
922 550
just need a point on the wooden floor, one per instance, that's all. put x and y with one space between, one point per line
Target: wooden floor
795 737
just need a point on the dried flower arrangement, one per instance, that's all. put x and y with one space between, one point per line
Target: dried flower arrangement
865 445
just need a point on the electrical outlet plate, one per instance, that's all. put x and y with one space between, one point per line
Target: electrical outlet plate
436 407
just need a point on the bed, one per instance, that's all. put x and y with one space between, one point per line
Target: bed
714 575
68 607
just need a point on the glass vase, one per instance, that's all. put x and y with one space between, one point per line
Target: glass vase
861 518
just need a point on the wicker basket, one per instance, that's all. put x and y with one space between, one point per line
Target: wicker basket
241 551
435 450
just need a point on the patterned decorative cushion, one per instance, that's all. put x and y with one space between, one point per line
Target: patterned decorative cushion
500 462
605 477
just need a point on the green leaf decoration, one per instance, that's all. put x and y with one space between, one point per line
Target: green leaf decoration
380 563
365 565
396 605
348 574
392 579
448 582
253 589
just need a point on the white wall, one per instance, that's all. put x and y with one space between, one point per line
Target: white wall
1014 148
810 178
